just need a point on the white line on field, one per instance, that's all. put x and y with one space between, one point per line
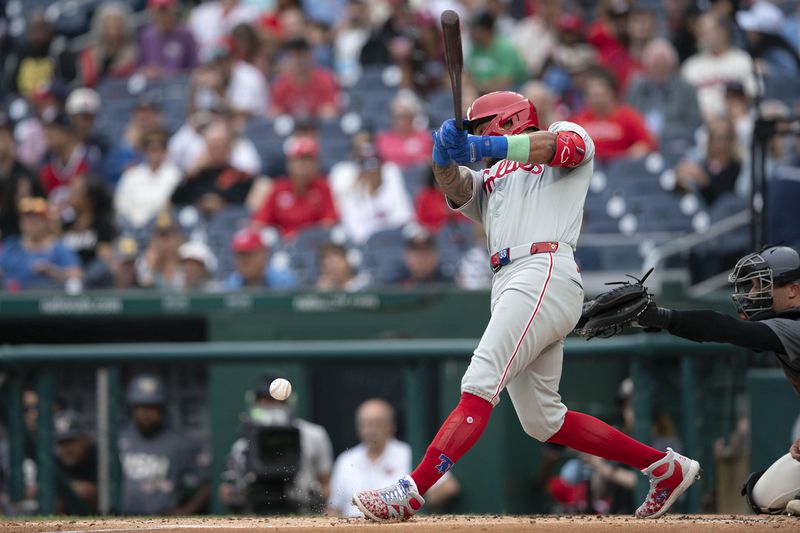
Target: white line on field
160 528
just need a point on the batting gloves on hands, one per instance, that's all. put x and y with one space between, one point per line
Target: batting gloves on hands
451 144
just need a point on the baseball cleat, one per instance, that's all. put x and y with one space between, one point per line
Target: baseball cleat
394 503
669 478
793 507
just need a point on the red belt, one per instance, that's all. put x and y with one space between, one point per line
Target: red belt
504 256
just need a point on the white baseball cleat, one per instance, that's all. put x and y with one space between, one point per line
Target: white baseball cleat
394 503
669 478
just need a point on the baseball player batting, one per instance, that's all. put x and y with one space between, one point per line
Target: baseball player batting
530 202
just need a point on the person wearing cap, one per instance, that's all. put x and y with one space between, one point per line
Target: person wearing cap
40 61
16 181
160 265
492 64
404 144
164 472
67 157
421 262
716 63
302 199
36 259
145 189
664 99
83 105
372 197
213 182
337 272
254 267
763 26
304 89
166 46
119 272
111 52
76 461
308 490
199 265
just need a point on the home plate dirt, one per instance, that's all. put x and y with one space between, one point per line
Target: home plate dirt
424 524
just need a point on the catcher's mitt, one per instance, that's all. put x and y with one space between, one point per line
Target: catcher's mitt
612 311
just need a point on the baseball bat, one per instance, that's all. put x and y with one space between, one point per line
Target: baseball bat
453 54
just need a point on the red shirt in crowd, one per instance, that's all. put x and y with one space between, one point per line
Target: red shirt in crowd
291 212
432 211
612 54
54 175
615 133
404 150
305 100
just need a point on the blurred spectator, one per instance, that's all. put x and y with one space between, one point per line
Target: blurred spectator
187 144
68 157
391 42
46 101
128 151
214 19
762 25
87 220
16 181
421 262
163 471
289 470
145 189
542 27
120 271
37 259
199 265
405 143
213 182
76 457
666 101
642 28
493 64
378 458
617 130
425 70
328 12
349 37
739 108
246 44
83 105
111 52
336 271
371 197
303 199
42 60
160 267
254 268
716 64
609 34
718 170
303 89
230 83
474 272
548 109
570 55
166 46
430 207
681 22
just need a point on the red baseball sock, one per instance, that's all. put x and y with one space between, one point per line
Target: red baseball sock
588 434
459 432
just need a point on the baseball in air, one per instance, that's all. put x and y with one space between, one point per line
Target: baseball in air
280 389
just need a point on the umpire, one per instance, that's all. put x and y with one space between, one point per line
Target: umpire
767 297
163 472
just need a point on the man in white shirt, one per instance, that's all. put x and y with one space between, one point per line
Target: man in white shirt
378 458
145 189
716 64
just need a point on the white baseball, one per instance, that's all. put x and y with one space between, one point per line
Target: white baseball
280 389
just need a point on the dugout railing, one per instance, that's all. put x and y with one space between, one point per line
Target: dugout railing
413 356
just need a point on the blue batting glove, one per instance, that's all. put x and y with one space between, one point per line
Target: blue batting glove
446 137
478 147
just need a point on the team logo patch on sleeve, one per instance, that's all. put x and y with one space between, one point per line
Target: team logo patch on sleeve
445 465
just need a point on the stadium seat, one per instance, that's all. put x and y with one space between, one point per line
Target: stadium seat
783 88
383 256
783 197
303 253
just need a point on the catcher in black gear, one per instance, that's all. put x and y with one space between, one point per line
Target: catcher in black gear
767 298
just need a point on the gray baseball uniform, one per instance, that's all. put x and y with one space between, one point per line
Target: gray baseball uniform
536 299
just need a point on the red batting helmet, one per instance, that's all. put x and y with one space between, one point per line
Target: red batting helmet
509 113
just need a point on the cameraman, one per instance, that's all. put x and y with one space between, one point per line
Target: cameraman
281 464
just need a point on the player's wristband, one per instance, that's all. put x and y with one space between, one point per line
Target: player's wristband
519 148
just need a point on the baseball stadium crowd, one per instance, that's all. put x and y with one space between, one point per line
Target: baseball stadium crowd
224 144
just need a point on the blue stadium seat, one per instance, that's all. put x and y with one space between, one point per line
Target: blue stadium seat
415 178
383 256
783 197
220 231
303 253
783 88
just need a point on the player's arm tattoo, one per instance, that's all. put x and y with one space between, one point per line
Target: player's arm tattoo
543 147
455 181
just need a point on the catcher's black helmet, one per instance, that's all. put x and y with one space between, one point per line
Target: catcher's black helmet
755 275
